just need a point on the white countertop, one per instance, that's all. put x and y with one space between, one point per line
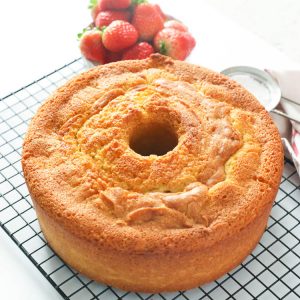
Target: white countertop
41 36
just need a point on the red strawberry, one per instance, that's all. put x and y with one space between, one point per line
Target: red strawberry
104 18
138 2
160 11
147 20
91 46
175 25
114 4
119 35
112 56
174 43
192 41
139 51
97 6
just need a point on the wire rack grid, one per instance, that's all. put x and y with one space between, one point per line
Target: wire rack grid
272 271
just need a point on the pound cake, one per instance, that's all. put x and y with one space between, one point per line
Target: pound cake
152 175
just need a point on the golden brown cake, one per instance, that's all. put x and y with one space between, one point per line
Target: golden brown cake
153 175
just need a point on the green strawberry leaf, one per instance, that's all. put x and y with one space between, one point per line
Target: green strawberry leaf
100 29
80 34
137 2
92 4
163 48
90 29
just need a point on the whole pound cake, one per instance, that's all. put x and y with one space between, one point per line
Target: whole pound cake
152 175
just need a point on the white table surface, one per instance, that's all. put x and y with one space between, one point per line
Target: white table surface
35 44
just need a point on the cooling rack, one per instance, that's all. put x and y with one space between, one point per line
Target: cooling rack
272 271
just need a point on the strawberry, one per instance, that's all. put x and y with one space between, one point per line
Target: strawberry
97 6
160 11
104 18
192 41
147 20
138 2
175 25
174 43
91 45
112 56
119 35
114 4
139 51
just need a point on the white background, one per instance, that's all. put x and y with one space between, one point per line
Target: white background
39 36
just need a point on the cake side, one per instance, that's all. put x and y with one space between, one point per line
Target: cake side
153 272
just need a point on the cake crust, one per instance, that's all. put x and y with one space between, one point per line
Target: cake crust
88 184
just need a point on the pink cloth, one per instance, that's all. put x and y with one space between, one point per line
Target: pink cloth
296 143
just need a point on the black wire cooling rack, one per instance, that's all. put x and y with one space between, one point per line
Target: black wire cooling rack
272 271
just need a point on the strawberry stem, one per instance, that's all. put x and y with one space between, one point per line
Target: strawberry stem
163 48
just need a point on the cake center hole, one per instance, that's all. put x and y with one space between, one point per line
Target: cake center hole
153 138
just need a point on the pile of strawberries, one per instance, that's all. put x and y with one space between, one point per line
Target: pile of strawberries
132 29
